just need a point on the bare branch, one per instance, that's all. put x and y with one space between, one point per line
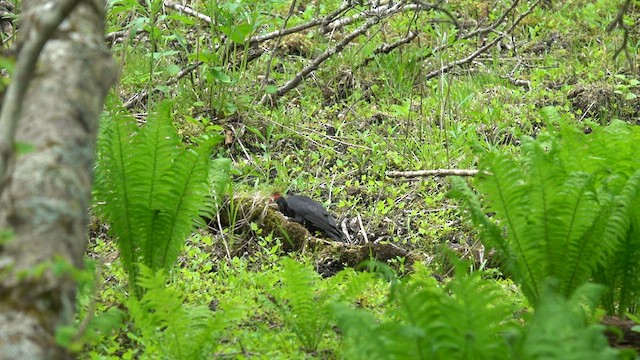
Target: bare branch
379 12
294 29
483 48
330 52
619 21
387 48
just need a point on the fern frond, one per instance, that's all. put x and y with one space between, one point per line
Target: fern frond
510 195
153 190
304 310
490 233
573 222
620 272
478 314
185 195
546 177
467 319
559 330
626 266
161 144
170 329
117 192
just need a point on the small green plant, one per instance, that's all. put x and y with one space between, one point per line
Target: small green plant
627 87
150 188
169 329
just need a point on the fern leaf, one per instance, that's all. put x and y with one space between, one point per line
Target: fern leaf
170 329
509 198
161 145
304 310
559 330
620 271
186 193
572 217
117 194
546 177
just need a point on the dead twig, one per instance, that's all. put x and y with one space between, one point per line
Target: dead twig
365 238
387 48
382 11
437 172
131 103
619 21
474 33
189 11
301 27
345 231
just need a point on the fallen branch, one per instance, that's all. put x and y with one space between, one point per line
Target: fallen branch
438 172
387 48
189 11
619 22
474 33
301 27
382 11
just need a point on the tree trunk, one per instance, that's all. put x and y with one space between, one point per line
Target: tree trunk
47 195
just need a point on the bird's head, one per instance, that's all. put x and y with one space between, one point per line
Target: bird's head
279 199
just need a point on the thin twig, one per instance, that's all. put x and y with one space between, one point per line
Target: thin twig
474 33
619 21
387 48
189 11
332 138
267 72
129 104
24 70
379 12
345 231
91 310
437 172
362 230
301 27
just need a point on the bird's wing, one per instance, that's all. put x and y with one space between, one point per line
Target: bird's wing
323 221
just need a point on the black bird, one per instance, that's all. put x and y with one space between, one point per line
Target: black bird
309 213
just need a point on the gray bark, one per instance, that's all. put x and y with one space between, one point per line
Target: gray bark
47 195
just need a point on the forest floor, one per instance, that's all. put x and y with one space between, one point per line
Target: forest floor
364 112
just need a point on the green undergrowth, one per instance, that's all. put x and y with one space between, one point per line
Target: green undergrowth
285 310
334 137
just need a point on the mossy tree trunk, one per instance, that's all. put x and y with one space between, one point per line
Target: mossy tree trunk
47 188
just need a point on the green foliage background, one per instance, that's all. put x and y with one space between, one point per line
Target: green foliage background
552 211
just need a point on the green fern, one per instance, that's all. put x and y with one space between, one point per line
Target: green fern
170 330
304 309
559 329
150 188
559 221
115 178
469 318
